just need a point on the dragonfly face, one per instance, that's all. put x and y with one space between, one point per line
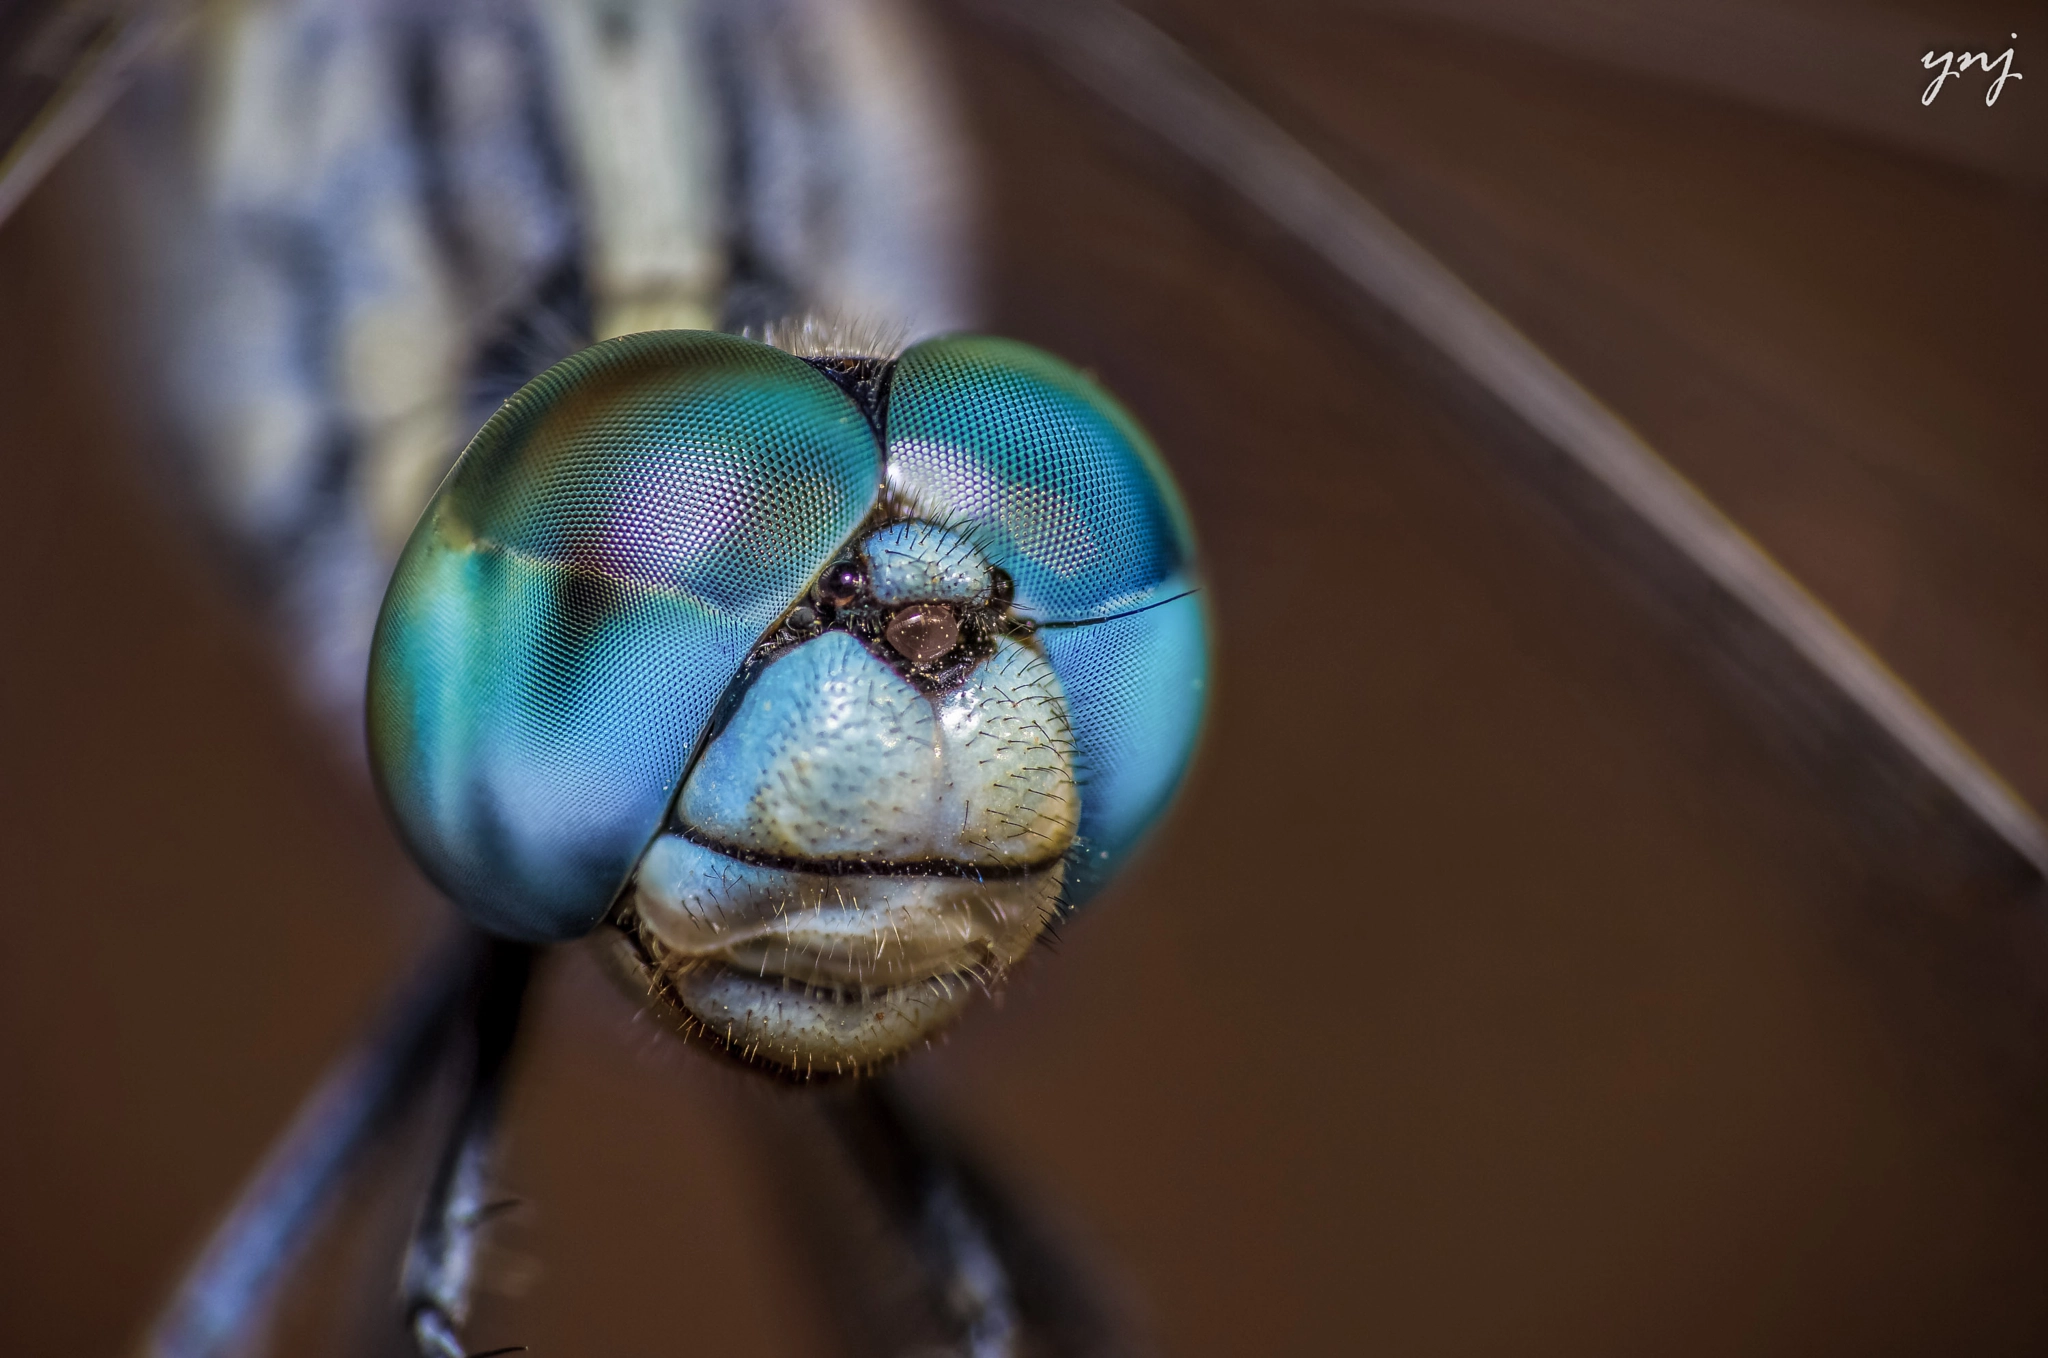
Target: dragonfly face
814 686
824 684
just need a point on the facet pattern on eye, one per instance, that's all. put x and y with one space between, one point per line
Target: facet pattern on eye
699 463
1051 477
1136 689
579 596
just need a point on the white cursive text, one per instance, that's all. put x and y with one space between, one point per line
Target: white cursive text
1953 64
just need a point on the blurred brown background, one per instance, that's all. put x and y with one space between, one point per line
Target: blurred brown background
1501 985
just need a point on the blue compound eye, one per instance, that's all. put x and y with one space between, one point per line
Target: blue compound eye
1059 483
825 721
580 593
1063 491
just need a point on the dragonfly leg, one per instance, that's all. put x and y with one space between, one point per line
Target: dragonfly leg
441 1262
227 1293
1003 1283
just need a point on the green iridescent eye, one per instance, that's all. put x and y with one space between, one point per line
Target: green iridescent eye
829 702
578 596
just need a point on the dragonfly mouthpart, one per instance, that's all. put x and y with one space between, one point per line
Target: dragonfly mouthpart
878 828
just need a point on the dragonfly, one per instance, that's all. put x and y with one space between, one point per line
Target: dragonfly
1113 58
814 673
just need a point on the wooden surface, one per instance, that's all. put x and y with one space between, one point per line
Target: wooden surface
1500 987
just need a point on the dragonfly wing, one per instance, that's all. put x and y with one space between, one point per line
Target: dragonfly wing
65 63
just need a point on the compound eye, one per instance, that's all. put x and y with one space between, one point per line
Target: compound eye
1053 481
923 632
578 597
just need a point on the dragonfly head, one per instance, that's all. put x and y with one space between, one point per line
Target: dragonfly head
817 687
